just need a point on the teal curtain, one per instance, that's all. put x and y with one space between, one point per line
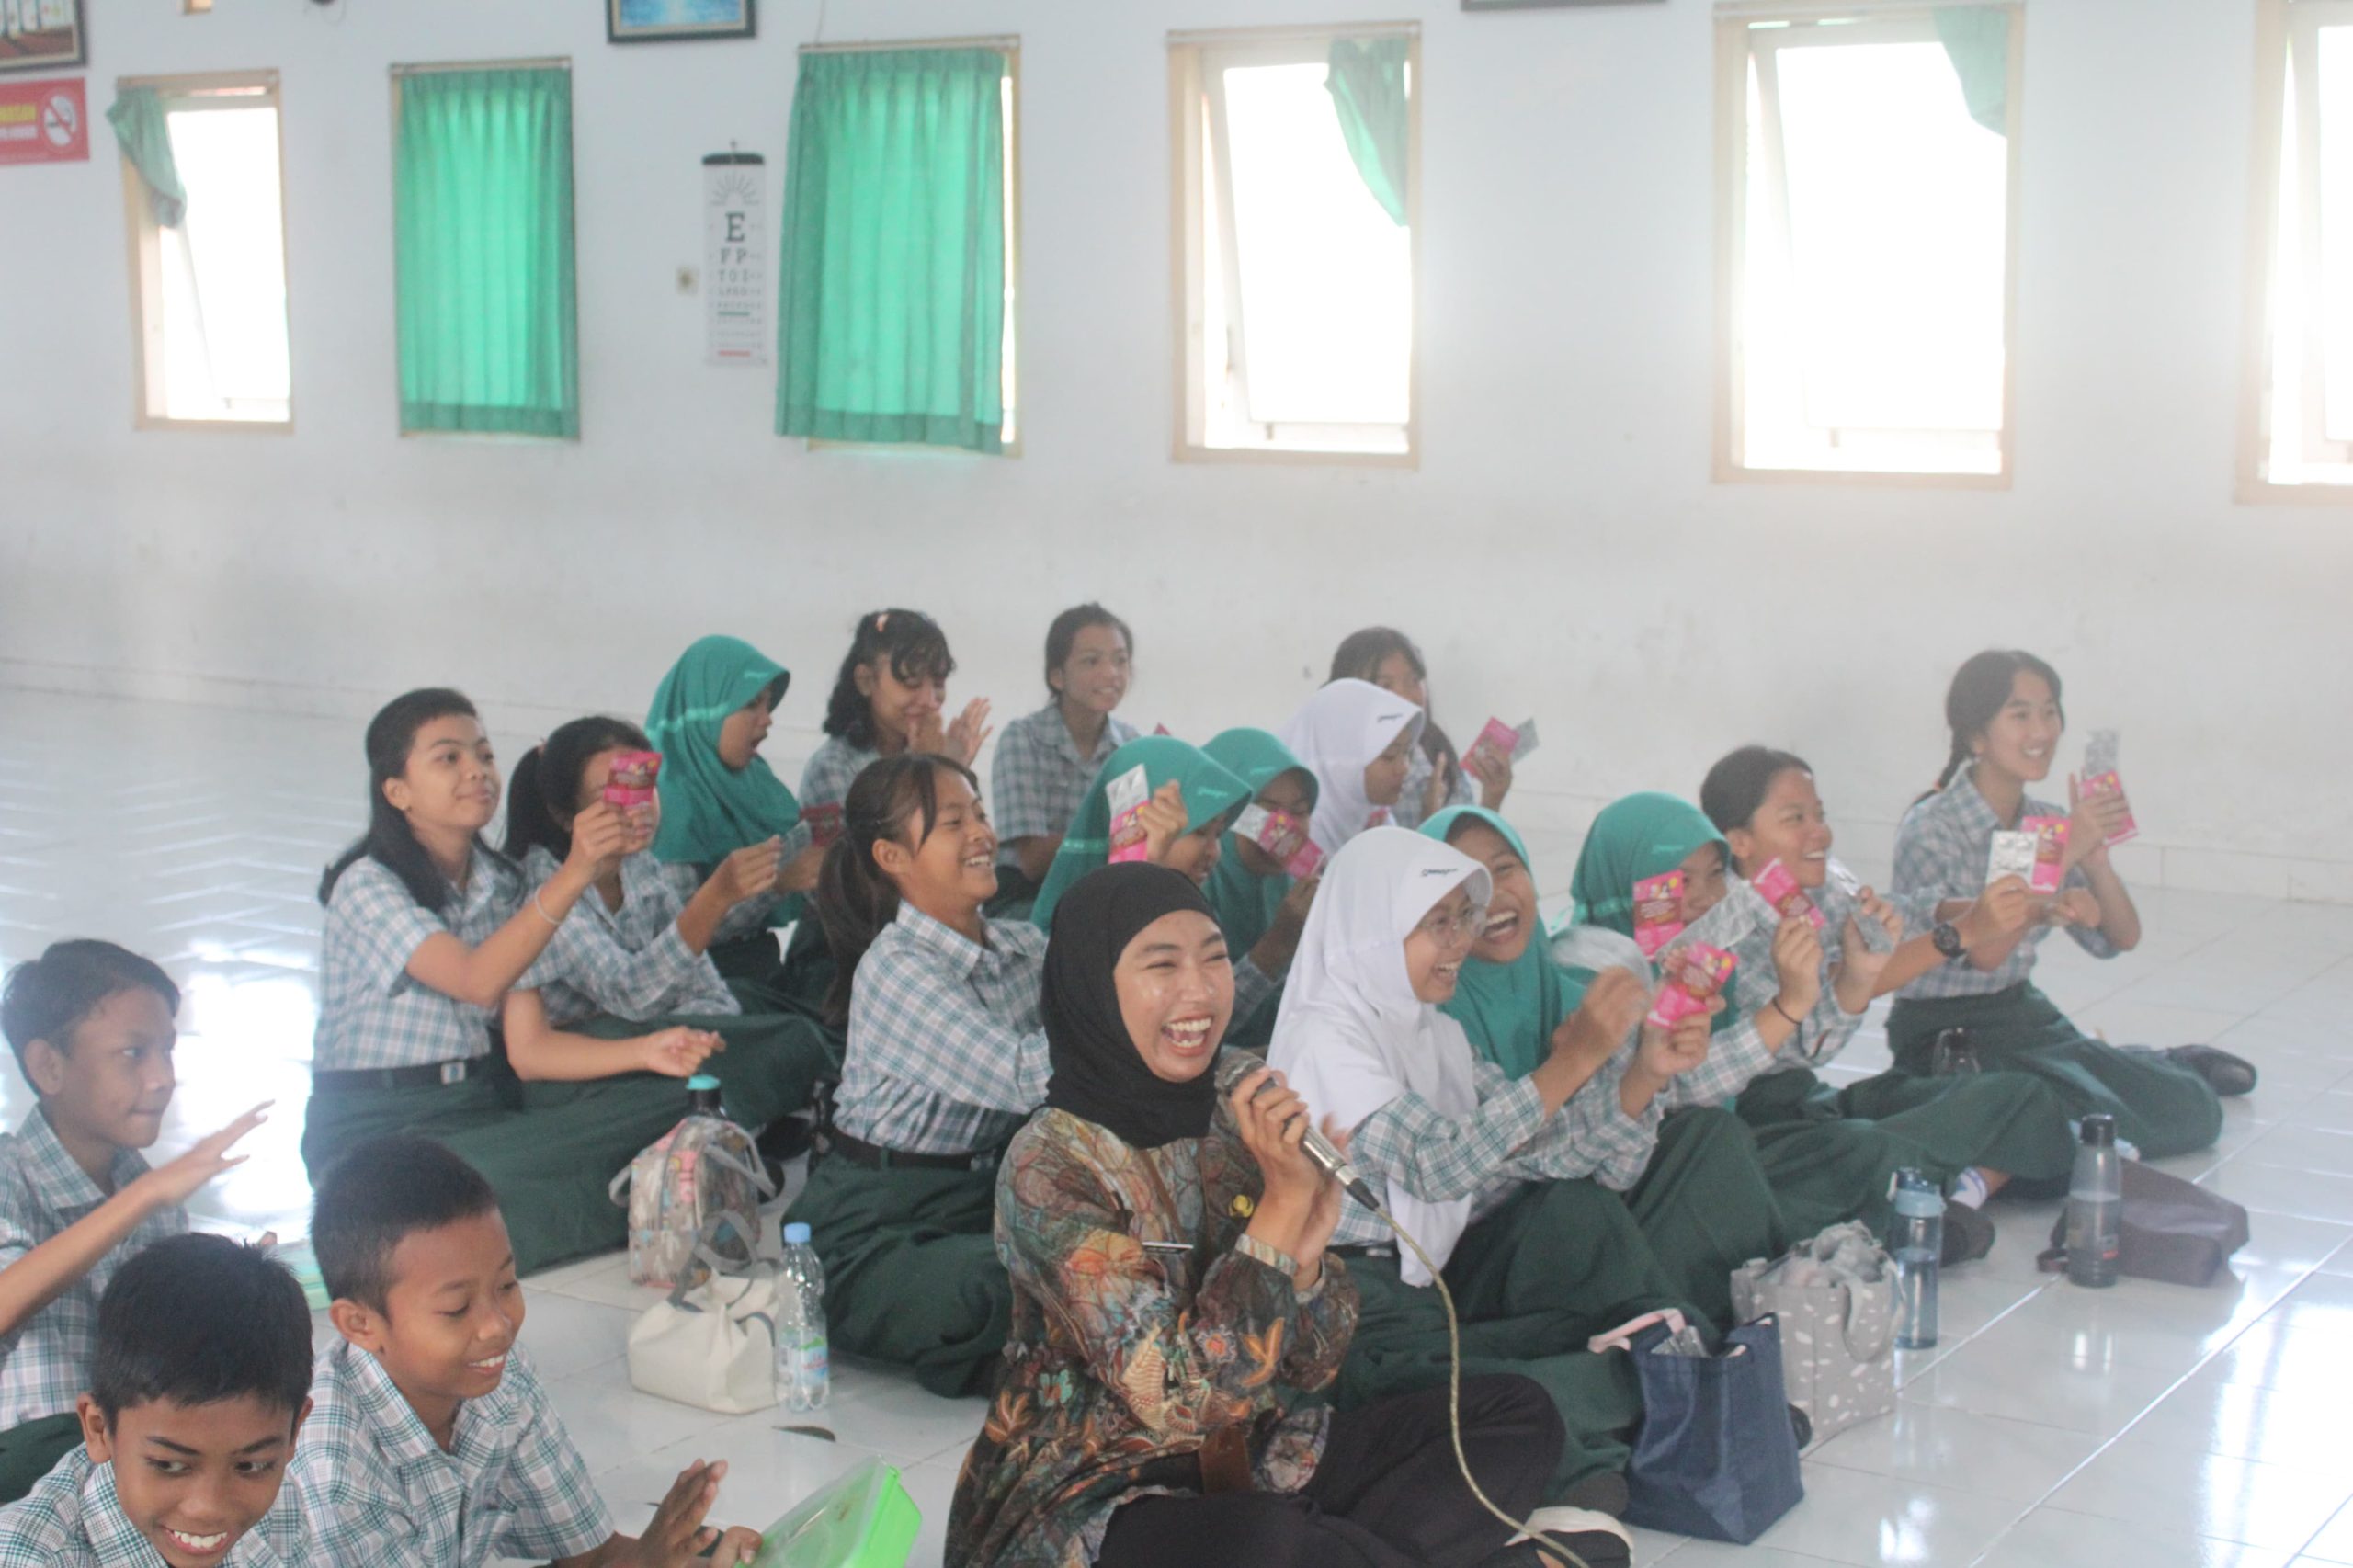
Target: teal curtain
1977 41
892 319
138 120
481 217
1366 81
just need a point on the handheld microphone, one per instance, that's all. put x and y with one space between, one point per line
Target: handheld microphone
1236 1065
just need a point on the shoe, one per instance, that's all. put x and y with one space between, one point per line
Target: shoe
1598 1539
2224 1074
1968 1235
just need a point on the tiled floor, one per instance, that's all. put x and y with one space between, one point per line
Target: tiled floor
2152 1426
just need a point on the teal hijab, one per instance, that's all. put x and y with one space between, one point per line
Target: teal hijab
1633 840
1211 791
709 810
1245 903
1510 1011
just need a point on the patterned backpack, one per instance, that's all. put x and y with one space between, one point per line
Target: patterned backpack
700 1184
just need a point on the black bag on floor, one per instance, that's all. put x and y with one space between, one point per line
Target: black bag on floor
2172 1230
1716 1456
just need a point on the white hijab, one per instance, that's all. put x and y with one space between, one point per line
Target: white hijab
1351 1036
1339 731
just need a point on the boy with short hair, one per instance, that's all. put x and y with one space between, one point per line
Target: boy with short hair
91 1027
431 1440
201 1381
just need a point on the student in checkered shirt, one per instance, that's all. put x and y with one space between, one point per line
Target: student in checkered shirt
431 1440
91 1027
198 1387
889 697
2004 709
1046 761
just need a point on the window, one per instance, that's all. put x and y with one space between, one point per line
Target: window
1295 162
203 205
897 279
488 322
1867 189
2299 397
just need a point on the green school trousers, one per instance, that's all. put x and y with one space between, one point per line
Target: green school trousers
1705 1207
31 1450
1559 1263
911 1275
2165 1108
2001 1121
770 1069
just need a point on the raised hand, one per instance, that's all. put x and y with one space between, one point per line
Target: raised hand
969 732
1162 818
176 1181
751 871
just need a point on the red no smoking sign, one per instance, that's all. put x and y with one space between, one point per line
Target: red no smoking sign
44 122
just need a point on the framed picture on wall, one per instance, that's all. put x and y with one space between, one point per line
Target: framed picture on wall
41 35
663 21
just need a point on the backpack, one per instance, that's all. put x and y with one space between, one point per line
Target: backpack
2172 1230
699 1184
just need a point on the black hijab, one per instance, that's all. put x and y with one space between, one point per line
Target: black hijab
1098 1074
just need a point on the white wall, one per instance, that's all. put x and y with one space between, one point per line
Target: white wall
1560 551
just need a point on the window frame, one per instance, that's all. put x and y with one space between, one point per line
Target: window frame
1188 86
1870 21
1015 311
2279 32
143 246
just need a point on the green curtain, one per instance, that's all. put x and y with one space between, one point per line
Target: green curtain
1366 81
891 326
138 120
481 216
1977 41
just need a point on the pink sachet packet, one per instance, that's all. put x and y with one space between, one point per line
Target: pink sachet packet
1381 817
824 822
2100 779
1693 975
1778 886
1160 729
631 783
1282 835
2049 852
1658 912
1499 740
1127 794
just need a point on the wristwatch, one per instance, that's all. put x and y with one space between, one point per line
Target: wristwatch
1947 937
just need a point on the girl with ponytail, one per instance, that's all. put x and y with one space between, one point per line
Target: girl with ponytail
946 1059
2004 712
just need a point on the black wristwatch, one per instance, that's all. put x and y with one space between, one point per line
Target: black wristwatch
1947 937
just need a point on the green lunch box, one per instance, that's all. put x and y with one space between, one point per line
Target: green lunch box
864 1520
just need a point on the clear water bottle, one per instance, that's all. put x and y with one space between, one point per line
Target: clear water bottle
1917 1242
703 1096
803 1370
2096 1206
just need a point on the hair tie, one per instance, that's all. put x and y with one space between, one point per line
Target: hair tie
883 621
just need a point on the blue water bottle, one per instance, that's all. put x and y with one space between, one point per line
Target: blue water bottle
1916 1238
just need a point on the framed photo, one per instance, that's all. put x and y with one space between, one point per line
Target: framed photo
41 35
663 21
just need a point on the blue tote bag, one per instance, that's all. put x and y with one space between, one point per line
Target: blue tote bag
1716 1456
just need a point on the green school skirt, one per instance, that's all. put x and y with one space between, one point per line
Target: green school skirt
31 1450
2004 1122
911 1275
770 1069
1559 1263
1706 1208
2165 1108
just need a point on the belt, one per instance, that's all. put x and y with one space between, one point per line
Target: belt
1371 1250
873 1157
431 1075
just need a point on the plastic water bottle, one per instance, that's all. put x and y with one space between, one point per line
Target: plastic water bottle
703 1096
803 1370
2096 1206
1917 1243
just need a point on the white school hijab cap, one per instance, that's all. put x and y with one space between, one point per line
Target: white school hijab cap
1351 1036
1339 733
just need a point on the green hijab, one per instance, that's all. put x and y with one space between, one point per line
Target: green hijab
1633 840
1245 903
709 810
1210 792
1510 1011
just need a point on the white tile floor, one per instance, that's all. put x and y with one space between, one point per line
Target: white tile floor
2152 1426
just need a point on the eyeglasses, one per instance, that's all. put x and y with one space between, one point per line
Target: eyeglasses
1449 930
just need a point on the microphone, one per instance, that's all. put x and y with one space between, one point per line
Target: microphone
1236 1065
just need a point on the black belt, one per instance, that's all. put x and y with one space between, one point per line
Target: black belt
433 1076
873 1157
1381 1249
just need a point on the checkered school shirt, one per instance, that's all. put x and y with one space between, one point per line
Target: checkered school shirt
381 1494
947 1051
1507 1141
1038 780
1941 849
45 1365
73 1518
372 1013
832 770
1823 1032
633 964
